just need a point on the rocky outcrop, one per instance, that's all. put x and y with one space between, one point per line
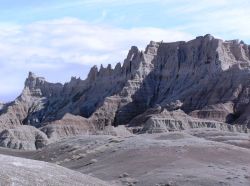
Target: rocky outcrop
24 138
207 78
1 106
177 120
245 117
69 125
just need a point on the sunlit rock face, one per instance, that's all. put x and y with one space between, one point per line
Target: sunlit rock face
205 78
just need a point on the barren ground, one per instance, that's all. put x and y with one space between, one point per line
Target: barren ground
196 157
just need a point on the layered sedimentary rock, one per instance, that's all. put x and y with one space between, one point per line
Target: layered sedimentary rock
206 78
24 138
160 120
69 125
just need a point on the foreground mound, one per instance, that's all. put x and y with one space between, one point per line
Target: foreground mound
23 172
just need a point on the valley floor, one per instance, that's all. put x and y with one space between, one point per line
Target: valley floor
193 157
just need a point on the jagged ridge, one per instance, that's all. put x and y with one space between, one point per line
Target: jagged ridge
207 78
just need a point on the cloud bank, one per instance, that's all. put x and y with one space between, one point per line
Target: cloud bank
56 46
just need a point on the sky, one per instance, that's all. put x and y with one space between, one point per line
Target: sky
63 38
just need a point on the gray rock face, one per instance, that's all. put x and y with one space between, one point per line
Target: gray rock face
23 137
177 120
1 106
69 125
207 78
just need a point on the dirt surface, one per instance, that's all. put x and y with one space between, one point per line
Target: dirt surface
196 157
24 172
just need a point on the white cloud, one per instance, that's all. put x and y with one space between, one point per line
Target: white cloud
60 44
227 19
73 40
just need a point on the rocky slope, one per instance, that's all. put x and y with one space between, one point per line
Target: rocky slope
205 78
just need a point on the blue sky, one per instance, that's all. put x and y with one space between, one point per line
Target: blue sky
59 39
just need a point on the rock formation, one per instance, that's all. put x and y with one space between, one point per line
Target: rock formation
202 80
1 105
177 120
23 137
